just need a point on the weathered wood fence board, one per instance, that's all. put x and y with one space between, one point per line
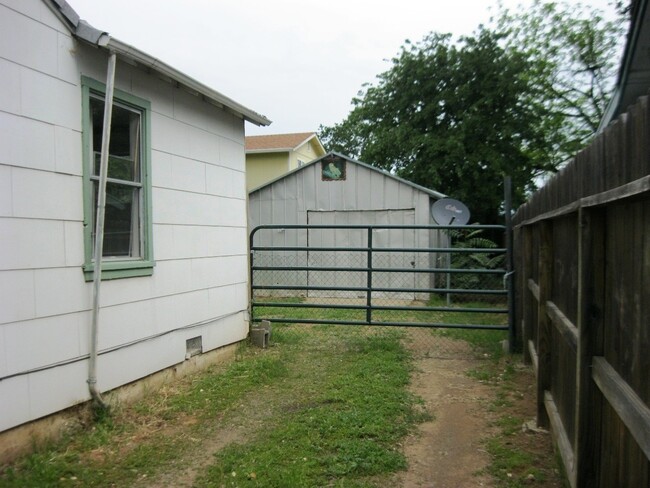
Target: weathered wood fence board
583 304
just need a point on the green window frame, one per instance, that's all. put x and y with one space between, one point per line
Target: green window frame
128 245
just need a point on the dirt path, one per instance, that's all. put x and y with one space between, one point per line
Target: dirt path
447 451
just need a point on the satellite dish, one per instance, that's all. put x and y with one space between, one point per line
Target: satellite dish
448 211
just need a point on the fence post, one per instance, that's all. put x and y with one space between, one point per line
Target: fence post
510 269
369 279
251 263
525 272
544 346
591 290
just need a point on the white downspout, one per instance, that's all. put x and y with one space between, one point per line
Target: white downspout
99 232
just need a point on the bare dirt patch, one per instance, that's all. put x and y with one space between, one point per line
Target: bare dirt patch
450 450
447 451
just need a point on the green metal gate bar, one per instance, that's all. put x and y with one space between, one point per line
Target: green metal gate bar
369 306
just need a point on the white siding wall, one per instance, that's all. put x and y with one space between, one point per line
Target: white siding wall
199 284
290 199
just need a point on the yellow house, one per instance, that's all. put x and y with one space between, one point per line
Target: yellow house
271 156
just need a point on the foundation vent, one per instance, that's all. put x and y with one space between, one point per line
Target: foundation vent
193 347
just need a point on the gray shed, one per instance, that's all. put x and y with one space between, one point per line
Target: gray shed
337 190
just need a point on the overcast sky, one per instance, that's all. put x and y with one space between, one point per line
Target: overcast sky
298 62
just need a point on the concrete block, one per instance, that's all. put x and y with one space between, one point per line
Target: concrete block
261 334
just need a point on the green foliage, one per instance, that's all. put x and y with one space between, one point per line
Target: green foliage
574 50
474 239
514 99
507 460
452 117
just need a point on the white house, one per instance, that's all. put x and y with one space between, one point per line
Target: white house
174 267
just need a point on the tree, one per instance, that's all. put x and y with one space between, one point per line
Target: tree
574 53
452 117
516 98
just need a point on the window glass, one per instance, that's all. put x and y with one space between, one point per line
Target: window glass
125 148
122 229
121 220
128 246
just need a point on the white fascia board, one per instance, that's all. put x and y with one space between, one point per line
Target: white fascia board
86 32
313 136
131 53
304 142
267 151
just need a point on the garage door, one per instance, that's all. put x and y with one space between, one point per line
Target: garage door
358 238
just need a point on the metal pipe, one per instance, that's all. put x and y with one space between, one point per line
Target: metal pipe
382 270
509 278
368 307
455 291
387 324
99 232
374 227
485 250
369 279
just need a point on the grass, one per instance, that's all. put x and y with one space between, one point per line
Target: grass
340 430
128 445
332 405
518 459
488 341
333 414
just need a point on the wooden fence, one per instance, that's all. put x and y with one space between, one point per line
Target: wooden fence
583 305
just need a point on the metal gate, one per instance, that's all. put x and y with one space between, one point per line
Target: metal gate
380 275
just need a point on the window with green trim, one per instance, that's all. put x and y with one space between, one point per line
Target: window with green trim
128 250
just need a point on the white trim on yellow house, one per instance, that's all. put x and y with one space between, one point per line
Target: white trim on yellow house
268 157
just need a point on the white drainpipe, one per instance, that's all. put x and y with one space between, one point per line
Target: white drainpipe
99 231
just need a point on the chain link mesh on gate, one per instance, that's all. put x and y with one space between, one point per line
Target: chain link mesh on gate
423 282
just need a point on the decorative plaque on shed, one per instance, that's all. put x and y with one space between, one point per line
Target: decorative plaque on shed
333 169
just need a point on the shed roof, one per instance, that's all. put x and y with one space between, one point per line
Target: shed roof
84 31
433 193
278 142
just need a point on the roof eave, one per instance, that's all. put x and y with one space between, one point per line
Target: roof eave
267 151
86 32
309 138
313 136
217 98
432 193
614 108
